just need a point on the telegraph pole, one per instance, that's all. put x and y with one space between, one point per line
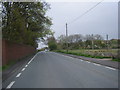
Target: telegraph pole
66 37
92 42
107 41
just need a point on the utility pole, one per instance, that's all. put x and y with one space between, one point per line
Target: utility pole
107 41
92 42
66 37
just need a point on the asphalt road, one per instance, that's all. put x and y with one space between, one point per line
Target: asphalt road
53 70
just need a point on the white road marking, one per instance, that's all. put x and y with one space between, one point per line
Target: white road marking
70 57
88 62
18 75
29 61
23 69
10 85
110 68
67 56
26 65
81 60
91 62
33 58
97 64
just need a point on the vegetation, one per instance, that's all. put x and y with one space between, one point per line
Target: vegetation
91 54
78 41
25 22
116 60
52 43
93 46
8 65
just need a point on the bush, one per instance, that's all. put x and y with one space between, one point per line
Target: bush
52 46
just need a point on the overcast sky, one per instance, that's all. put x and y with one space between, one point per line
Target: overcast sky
102 20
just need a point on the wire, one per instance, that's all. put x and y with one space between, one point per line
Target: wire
86 12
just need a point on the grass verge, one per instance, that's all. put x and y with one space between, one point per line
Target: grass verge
81 54
118 60
8 65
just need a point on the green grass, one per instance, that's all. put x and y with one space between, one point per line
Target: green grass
8 65
5 67
118 60
0 68
82 53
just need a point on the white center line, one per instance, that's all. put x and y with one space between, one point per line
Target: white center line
10 85
23 69
32 59
26 65
110 68
18 75
29 61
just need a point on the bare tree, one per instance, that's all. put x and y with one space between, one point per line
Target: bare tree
98 37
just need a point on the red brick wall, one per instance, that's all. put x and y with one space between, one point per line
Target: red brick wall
13 51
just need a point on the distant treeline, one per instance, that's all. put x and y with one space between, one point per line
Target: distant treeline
78 41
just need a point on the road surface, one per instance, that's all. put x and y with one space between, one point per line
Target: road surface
53 70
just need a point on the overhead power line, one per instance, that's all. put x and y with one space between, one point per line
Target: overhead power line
86 12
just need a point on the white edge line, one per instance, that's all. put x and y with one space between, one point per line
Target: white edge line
23 69
110 68
10 85
18 75
97 64
88 62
